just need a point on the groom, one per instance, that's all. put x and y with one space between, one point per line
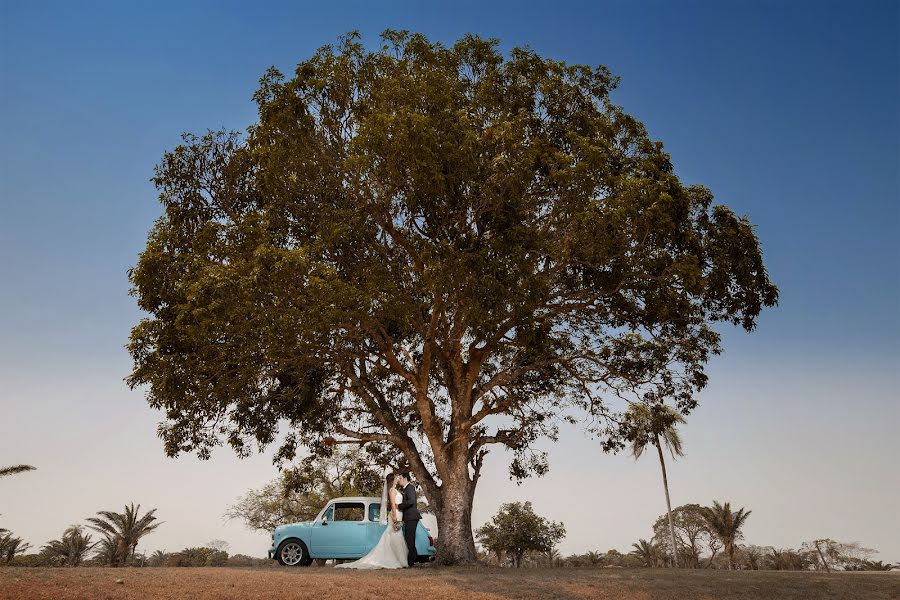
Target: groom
411 516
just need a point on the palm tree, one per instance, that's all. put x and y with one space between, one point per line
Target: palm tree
123 531
71 548
553 556
13 470
648 552
109 549
656 425
159 558
726 525
10 546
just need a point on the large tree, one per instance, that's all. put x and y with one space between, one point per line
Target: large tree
443 249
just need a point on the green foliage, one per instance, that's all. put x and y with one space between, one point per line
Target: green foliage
70 550
656 425
242 560
692 535
441 248
649 553
31 560
122 532
198 557
726 525
516 530
787 559
826 554
870 565
15 469
653 424
10 546
299 493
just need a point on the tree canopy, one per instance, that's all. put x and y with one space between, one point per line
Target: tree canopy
516 530
441 248
299 493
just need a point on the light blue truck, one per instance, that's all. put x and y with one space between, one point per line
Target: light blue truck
346 528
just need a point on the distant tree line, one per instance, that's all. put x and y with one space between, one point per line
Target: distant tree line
709 537
706 537
119 536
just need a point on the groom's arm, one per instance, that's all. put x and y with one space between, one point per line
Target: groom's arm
409 499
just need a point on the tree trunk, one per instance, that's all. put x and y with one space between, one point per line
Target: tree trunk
822 556
662 463
456 543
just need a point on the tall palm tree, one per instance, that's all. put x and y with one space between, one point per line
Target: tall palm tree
124 530
726 525
656 425
4 471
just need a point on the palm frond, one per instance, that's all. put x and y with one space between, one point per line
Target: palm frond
15 469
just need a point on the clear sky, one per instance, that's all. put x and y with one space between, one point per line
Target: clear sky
788 111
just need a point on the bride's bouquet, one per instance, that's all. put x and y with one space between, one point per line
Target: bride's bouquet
395 523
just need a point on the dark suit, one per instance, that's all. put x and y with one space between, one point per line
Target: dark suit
411 517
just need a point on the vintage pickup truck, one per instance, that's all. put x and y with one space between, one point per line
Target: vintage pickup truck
346 528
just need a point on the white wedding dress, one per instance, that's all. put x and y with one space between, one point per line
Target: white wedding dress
389 553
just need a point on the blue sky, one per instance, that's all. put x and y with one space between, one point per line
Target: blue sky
789 112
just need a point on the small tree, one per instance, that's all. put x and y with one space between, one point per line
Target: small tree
218 545
787 559
109 550
726 525
516 530
159 558
871 565
647 552
123 531
71 549
10 546
201 556
828 554
692 533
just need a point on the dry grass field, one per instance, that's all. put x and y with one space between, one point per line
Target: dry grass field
438 584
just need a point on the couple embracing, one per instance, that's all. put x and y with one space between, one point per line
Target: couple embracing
397 547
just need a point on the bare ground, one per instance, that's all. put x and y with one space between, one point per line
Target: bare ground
481 583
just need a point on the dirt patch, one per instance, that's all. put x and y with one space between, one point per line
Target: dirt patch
438 584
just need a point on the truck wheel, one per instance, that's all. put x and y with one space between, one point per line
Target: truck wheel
293 553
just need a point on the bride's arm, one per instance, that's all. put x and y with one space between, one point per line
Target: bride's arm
392 498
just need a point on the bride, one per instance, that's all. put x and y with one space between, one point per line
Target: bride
390 552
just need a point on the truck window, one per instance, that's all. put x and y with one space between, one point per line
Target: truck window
349 511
